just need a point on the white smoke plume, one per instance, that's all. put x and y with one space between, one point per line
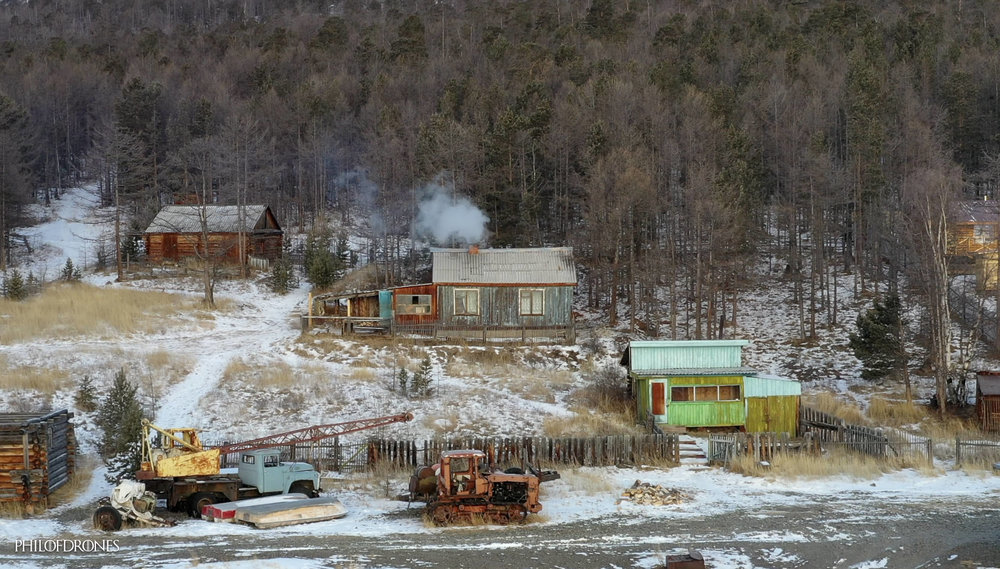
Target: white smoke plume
448 219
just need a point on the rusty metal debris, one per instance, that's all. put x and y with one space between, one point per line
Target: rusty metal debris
647 494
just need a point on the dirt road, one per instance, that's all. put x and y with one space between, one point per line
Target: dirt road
843 532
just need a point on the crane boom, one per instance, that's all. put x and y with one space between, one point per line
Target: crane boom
314 433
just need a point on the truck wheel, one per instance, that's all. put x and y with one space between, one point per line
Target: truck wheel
107 518
199 500
302 488
442 515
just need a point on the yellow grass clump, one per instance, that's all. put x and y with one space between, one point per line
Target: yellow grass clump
894 413
807 465
829 403
43 379
586 422
67 311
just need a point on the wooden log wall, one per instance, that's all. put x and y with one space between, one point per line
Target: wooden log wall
37 455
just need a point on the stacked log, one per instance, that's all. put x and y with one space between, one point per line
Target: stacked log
646 494
37 455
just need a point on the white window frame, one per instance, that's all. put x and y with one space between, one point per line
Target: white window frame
469 310
532 311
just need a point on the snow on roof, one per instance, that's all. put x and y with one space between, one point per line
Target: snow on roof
551 265
220 218
977 211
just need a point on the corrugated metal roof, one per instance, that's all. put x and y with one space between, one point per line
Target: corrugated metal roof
220 218
551 265
678 372
977 211
988 384
770 385
645 356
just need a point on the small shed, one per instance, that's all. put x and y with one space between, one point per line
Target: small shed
988 400
703 383
234 233
37 455
504 292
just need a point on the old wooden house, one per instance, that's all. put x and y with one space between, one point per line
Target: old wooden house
988 400
974 229
37 455
505 292
486 294
235 233
703 383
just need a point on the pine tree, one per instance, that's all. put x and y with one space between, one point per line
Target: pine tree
421 382
86 395
120 417
402 379
70 273
877 342
322 267
14 287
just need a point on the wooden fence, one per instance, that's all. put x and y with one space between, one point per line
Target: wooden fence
821 431
833 432
590 451
37 455
981 450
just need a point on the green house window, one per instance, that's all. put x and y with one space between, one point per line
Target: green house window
705 393
682 394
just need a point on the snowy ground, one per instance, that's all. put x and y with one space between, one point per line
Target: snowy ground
338 380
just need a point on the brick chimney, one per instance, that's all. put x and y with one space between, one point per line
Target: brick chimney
474 249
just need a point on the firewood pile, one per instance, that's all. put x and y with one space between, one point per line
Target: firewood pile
647 494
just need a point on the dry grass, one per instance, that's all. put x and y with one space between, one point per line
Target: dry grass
586 422
363 374
42 379
65 311
274 373
810 466
586 480
882 411
948 427
829 403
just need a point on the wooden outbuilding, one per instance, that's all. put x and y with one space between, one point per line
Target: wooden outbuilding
703 384
37 455
235 233
988 400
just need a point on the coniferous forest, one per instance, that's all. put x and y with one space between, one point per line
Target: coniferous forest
676 145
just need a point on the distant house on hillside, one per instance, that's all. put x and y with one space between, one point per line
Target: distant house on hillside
177 232
703 383
485 294
988 400
974 230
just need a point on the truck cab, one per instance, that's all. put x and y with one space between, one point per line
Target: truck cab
264 470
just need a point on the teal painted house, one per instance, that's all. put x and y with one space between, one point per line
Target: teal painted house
703 383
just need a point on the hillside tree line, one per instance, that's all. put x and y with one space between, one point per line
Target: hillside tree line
675 145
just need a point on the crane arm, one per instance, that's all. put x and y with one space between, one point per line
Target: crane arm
314 433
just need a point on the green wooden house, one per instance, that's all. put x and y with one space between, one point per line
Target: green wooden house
703 383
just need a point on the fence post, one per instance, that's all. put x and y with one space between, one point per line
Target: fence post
958 452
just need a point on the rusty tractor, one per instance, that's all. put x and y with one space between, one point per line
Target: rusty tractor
463 487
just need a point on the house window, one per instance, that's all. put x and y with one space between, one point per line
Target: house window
705 393
729 393
413 304
682 394
532 302
248 459
466 301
